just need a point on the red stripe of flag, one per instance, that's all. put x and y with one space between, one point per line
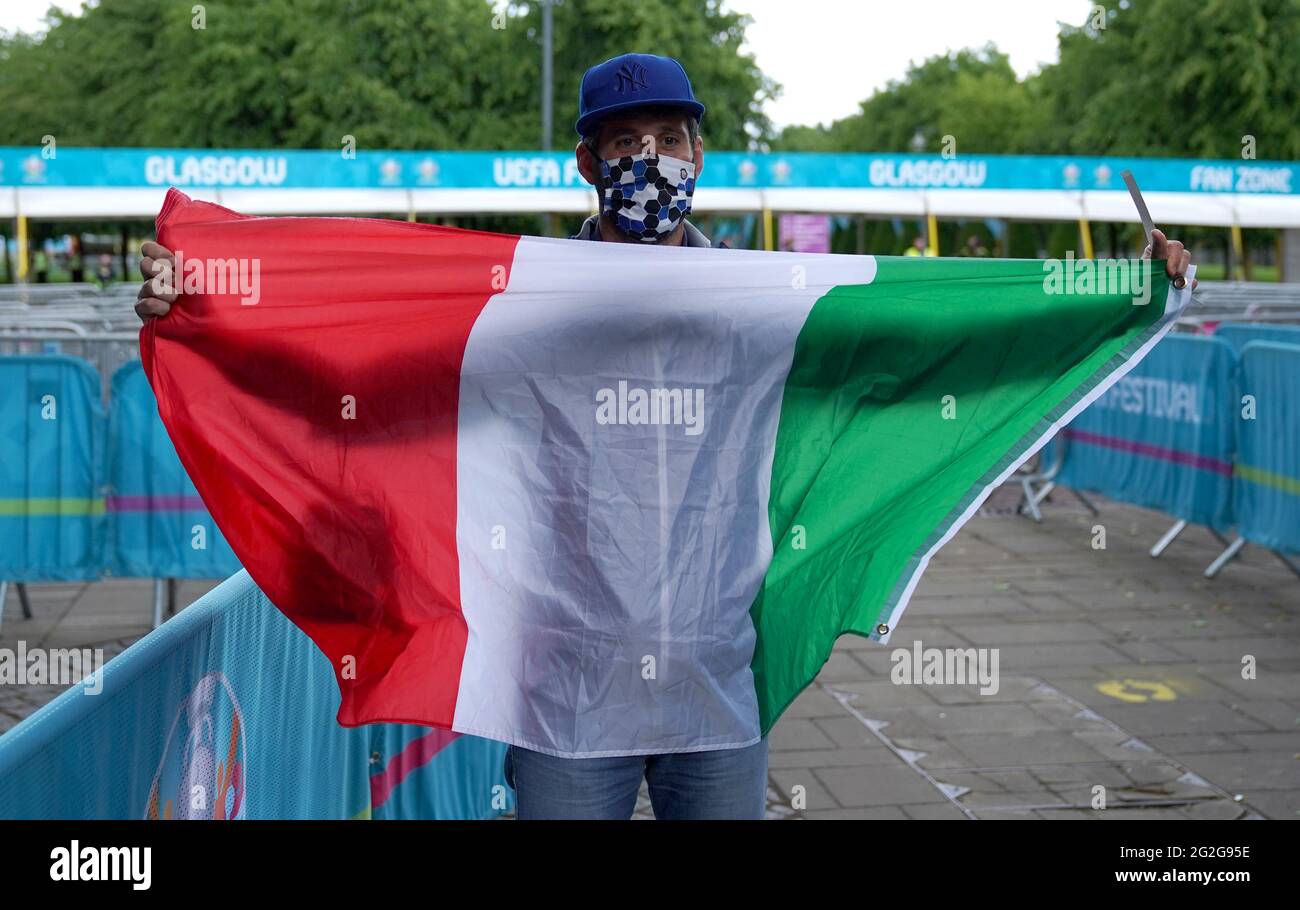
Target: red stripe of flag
347 525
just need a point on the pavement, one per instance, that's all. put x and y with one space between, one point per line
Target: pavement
1120 680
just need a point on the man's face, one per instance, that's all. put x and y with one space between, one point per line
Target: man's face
649 131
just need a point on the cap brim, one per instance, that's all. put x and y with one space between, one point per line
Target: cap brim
591 118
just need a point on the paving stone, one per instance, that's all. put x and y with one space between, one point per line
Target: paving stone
841 757
876 786
930 633
841 666
936 754
814 702
871 695
1278 804
1011 688
815 795
1018 748
1272 741
1216 649
797 733
847 732
1144 652
1024 658
1274 712
950 720
1265 686
1249 772
943 811
1189 744
877 813
1001 634
1183 715
1173 629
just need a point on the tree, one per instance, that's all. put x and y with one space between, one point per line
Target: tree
1162 77
971 95
1170 78
446 74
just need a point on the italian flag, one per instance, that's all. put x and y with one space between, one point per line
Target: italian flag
601 499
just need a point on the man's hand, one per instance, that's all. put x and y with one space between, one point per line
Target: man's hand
1175 255
156 297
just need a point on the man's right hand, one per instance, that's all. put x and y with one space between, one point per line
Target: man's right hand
155 300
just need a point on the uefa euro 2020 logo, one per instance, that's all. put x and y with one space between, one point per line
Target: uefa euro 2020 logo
202 772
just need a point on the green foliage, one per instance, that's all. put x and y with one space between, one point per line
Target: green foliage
1163 78
449 74
972 95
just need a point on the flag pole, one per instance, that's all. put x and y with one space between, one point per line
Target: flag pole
1145 215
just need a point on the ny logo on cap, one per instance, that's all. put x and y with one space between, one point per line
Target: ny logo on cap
631 76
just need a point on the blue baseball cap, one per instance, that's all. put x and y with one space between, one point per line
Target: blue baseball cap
633 80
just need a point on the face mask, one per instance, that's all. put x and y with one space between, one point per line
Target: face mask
648 195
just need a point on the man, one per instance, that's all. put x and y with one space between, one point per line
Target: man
41 265
640 147
641 150
919 247
104 272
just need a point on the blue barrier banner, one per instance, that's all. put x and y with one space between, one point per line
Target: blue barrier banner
1240 334
228 712
158 526
1162 437
1268 457
324 168
51 446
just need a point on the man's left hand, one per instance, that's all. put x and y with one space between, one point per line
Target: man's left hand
1174 254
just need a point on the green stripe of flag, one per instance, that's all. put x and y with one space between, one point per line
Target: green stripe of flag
893 427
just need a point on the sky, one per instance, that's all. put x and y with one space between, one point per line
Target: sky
828 55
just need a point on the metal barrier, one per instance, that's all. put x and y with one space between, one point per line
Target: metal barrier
105 351
228 712
158 526
51 442
1217 301
1240 334
1199 433
1267 472
84 494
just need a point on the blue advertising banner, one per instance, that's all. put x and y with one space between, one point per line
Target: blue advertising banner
1240 334
1268 460
158 525
51 446
1163 436
320 169
227 712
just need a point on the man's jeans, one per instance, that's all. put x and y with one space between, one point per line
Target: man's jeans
724 783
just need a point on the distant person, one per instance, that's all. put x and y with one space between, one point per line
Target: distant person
974 247
41 265
76 261
104 274
919 247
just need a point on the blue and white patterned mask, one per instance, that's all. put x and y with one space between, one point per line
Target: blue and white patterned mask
648 195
